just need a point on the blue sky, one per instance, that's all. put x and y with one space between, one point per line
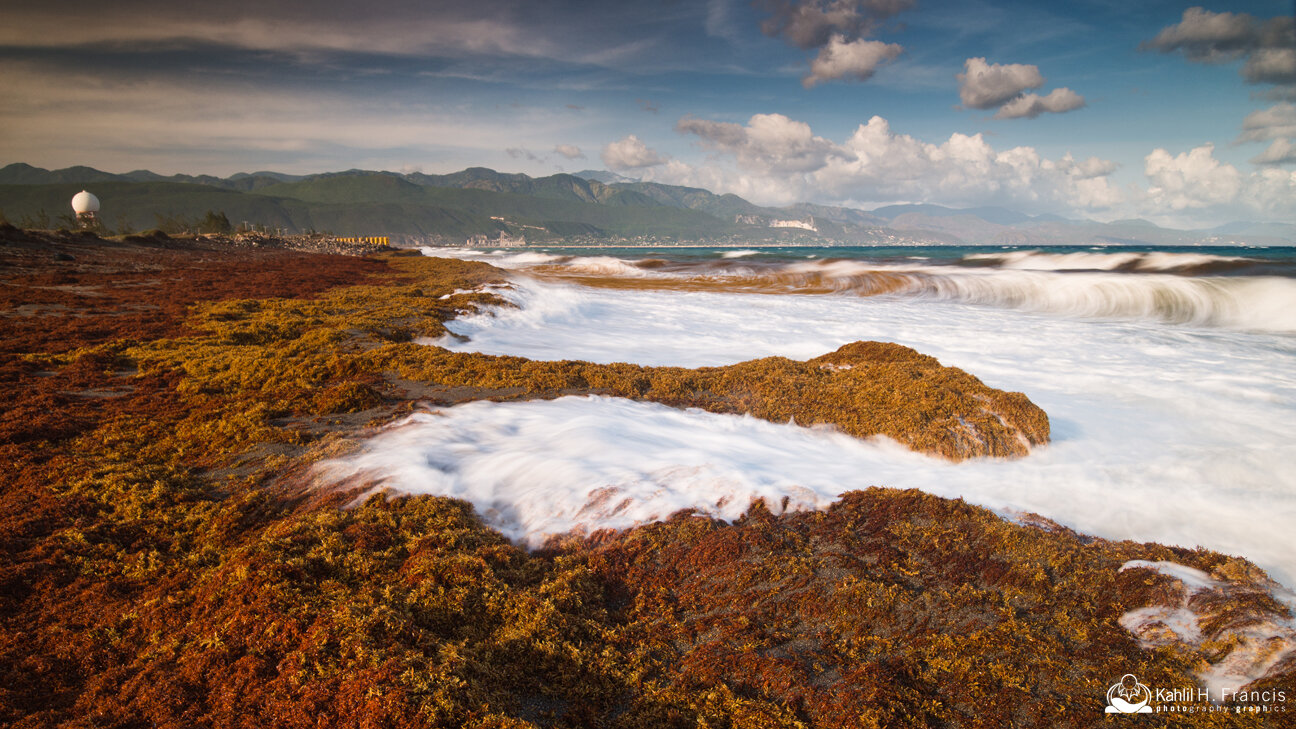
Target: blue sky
1175 112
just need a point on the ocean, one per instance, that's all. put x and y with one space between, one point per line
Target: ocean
1169 376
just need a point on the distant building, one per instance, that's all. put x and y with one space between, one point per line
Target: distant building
803 224
808 224
504 240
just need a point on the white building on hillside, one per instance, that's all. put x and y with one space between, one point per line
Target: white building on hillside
802 224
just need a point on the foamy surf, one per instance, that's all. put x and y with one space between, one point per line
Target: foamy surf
580 464
577 465
1172 434
1149 285
1035 260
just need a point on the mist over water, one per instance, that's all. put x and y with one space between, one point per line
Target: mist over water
1177 432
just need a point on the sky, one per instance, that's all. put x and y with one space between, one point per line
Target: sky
1179 113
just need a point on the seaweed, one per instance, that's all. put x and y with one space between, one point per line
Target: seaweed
161 564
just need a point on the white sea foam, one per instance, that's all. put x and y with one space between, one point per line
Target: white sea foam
1257 643
1193 579
1056 284
1105 261
1251 303
739 253
604 266
1169 434
581 463
505 257
1246 303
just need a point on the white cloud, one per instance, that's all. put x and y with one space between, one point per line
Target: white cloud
570 151
839 29
770 143
777 160
1281 151
857 59
985 85
629 153
1086 169
1029 106
988 85
1193 179
1197 187
1278 120
1271 192
966 170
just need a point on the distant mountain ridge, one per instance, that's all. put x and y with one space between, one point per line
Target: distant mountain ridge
589 207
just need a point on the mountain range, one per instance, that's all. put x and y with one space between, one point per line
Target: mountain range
589 207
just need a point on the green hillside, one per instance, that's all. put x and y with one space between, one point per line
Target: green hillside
445 208
143 205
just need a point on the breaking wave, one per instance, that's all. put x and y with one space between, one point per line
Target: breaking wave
1120 285
1034 260
1173 434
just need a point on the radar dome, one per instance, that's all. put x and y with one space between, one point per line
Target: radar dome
84 202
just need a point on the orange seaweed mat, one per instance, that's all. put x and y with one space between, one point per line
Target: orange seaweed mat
161 565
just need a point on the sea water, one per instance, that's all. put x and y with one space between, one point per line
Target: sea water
1169 376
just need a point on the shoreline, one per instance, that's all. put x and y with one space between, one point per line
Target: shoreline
163 451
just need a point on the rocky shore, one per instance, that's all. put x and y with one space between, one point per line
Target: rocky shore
166 558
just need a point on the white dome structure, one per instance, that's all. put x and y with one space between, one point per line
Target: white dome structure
84 202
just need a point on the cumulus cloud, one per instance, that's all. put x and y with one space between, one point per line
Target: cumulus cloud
985 85
1281 151
1196 181
988 85
778 160
857 59
1193 179
629 153
1029 106
965 169
1278 120
810 24
839 29
1086 169
570 151
1203 35
770 143
1269 46
775 160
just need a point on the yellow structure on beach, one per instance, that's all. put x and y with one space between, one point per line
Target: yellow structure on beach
379 240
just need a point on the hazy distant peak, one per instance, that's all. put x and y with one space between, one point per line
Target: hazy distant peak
1135 223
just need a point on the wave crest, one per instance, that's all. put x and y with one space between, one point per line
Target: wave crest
1156 261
